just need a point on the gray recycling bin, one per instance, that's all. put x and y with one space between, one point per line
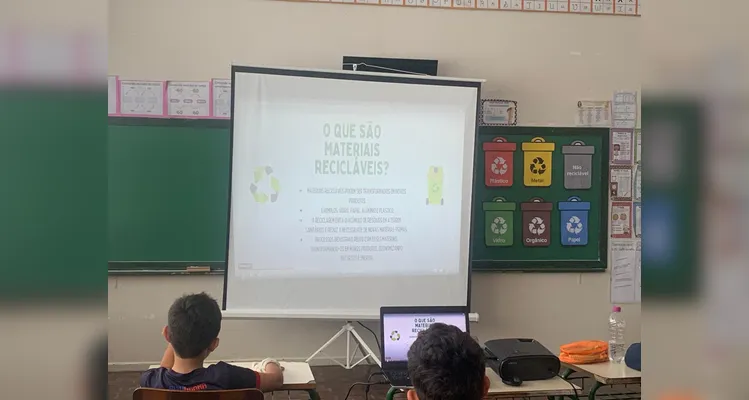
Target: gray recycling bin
578 165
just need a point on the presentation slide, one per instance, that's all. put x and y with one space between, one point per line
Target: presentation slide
338 181
401 331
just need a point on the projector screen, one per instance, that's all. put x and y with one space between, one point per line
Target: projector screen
349 191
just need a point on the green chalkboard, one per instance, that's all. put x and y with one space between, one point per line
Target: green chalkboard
54 187
168 193
168 197
540 199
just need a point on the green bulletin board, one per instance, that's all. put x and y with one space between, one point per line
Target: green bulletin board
540 199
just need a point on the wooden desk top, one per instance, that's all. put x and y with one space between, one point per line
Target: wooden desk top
549 387
608 373
296 375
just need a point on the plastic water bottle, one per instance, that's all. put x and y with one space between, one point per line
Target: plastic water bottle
617 347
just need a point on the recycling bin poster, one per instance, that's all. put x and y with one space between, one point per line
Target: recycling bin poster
541 198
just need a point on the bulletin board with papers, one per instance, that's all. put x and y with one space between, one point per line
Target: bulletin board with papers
625 200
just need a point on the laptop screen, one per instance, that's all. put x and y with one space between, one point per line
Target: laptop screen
400 330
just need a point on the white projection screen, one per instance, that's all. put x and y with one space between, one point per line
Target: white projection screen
349 191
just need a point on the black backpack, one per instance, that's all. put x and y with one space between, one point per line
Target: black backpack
633 358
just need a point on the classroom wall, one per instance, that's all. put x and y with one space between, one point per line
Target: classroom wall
546 62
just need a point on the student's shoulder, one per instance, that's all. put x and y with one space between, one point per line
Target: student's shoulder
222 365
151 377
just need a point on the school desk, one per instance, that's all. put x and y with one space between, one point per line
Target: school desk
296 376
497 390
605 373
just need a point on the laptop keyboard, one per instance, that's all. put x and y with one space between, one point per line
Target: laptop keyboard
398 375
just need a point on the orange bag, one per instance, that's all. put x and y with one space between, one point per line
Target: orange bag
584 352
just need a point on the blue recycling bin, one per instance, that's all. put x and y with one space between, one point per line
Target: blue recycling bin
574 214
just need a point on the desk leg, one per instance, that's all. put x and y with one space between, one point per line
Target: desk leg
391 393
313 395
592 394
564 375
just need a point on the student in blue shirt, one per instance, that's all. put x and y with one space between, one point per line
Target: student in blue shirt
192 334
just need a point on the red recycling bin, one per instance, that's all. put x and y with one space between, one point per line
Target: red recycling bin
498 155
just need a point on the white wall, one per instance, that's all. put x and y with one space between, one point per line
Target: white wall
546 62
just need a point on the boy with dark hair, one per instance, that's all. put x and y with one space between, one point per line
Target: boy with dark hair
192 334
445 363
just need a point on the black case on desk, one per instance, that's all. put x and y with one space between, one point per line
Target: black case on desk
523 359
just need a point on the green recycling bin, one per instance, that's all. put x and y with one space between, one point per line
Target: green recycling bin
498 221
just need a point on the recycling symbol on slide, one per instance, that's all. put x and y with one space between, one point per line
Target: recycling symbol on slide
263 177
574 225
538 166
395 336
499 166
537 226
499 226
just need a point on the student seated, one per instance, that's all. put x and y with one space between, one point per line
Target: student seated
192 334
445 363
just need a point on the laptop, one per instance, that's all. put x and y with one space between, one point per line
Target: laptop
398 329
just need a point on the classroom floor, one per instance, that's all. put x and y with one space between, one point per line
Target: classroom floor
333 383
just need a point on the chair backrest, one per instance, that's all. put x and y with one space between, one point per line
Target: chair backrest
162 394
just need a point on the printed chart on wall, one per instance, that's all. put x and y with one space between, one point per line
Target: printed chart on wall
188 99
141 98
541 199
626 256
169 99
595 7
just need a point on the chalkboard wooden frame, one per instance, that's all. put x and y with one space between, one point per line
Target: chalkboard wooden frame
493 265
163 268
173 122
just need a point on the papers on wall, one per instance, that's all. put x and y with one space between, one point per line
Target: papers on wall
495 112
622 146
638 271
112 85
221 97
593 114
620 183
621 220
173 99
625 195
188 99
625 110
142 98
637 183
626 256
597 7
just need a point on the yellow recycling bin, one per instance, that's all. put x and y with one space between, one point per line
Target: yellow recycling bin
537 162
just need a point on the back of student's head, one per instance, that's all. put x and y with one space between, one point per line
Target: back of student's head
194 323
445 363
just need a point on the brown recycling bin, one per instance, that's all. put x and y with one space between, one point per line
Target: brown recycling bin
536 222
